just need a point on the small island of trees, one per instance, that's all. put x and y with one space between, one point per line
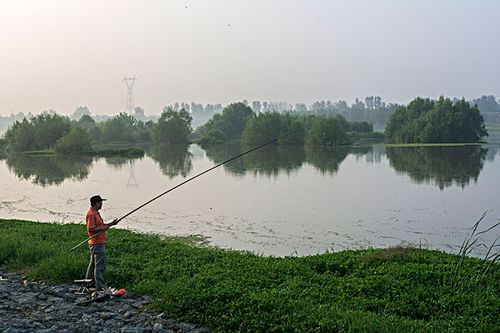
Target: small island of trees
430 121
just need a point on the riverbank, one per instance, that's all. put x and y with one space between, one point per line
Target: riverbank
37 306
131 152
378 290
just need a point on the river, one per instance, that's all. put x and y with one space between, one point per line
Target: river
279 200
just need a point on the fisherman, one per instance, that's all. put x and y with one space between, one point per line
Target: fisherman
96 229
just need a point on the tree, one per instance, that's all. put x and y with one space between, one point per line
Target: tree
40 132
441 121
139 113
294 126
19 136
262 128
300 108
173 126
326 131
256 107
76 141
119 128
487 104
230 123
79 112
86 121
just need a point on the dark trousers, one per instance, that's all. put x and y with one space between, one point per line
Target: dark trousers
95 270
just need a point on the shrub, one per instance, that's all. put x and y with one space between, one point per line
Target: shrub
76 141
327 131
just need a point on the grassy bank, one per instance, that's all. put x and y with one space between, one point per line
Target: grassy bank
433 144
391 290
99 152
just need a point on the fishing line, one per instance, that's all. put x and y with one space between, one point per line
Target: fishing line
187 181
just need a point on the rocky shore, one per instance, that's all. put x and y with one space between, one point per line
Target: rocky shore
31 306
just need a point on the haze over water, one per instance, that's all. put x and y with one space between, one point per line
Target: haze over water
277 201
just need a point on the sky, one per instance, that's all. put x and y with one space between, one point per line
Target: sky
60 54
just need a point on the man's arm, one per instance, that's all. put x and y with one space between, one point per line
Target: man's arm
104 227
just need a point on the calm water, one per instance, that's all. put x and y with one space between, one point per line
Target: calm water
275 201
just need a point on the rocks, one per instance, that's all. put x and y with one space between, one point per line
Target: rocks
28 306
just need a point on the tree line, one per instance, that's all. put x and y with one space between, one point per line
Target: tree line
421 121
238 122
371 109
66 136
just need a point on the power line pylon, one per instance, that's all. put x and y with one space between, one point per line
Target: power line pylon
129 81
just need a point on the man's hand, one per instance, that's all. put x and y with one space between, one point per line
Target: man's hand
110 224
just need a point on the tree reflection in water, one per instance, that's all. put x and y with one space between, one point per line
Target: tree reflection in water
270 160
118 162
220 153
49 170
174 159
442 165
274 159
326 159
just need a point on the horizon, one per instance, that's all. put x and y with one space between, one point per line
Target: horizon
59 55
308 106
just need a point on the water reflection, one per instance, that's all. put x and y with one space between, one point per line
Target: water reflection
49 170
118 162
372 155
493 151
442 165
174 160
269 160
220 153
328 159
274 159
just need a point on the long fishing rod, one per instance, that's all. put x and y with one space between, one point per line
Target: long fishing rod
184 182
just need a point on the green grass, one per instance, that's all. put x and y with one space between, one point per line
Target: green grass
43 152
100 152
377 290
432 144
125 152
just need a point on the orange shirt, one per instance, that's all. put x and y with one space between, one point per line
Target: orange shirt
94 219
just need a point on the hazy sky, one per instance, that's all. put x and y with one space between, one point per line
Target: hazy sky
58 54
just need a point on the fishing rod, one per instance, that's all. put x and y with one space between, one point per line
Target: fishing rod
184 182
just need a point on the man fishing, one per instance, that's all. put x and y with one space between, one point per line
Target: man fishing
96 229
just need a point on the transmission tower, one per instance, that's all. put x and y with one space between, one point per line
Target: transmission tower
129 81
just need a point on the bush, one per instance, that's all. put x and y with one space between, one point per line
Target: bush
268 126
173 127
231 123
119 128
74 142
214 136
327 131
40 132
